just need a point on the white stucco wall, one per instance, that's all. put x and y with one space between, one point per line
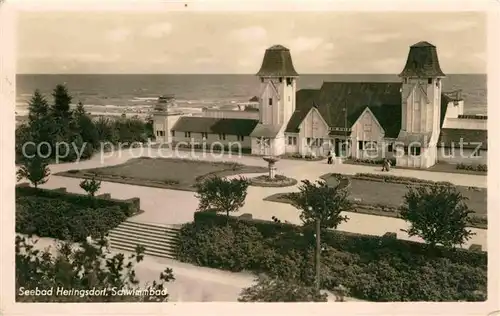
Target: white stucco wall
164 122
465 124
366 128
197 138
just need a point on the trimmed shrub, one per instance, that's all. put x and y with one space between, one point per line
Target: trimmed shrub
49 217
80 200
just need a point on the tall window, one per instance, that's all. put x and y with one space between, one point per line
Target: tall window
429 81
187 134
361 145
390 147
204 135
270 101
240 138
414 151
292 140
173 133
222 136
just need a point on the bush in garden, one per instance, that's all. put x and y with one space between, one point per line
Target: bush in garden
277 290
82 267
438 214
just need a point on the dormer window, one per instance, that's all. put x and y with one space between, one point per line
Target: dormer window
438 82
429 81
270 101
288 81
281 80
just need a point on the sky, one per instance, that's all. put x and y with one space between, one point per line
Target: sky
221 42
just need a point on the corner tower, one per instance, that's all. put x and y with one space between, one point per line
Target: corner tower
278 87
421 106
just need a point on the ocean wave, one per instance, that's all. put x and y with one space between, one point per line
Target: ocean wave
145 98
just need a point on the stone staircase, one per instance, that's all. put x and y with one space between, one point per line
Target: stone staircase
158 240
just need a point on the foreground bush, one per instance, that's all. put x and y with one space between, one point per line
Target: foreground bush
81 268
277 290
372 268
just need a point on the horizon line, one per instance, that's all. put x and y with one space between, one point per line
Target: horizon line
224 74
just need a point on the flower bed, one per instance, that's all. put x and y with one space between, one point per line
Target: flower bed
472 167
307 157
279 181
396 179
372 268
370 161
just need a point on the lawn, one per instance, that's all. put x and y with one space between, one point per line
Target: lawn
170 173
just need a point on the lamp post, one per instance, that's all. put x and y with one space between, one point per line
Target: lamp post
317 262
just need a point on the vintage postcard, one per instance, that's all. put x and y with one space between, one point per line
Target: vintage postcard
233 152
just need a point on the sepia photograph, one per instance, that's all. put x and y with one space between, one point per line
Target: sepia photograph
183 155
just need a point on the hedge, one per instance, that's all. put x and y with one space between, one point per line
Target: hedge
396 179
129 207
67 216
373 268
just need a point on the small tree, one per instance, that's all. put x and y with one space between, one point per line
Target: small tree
38 107
321 207
35 170
222 195
90 186
438 214
276 290
82 267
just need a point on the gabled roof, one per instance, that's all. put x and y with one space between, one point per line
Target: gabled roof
450 137
229 126
382 98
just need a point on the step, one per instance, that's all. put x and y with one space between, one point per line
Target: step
146 234
146 252
158 242
151 226
147 229
133 245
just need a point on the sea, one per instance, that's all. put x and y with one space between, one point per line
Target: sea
138 93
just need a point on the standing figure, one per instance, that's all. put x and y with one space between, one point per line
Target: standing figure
330 158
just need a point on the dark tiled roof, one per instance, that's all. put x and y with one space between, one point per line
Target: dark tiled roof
277 62
304 100
450 137
382 98
356 96
230 126
422 62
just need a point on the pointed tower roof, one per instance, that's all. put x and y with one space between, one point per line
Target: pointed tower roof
422 62
277 63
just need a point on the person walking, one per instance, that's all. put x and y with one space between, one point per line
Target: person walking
330 158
